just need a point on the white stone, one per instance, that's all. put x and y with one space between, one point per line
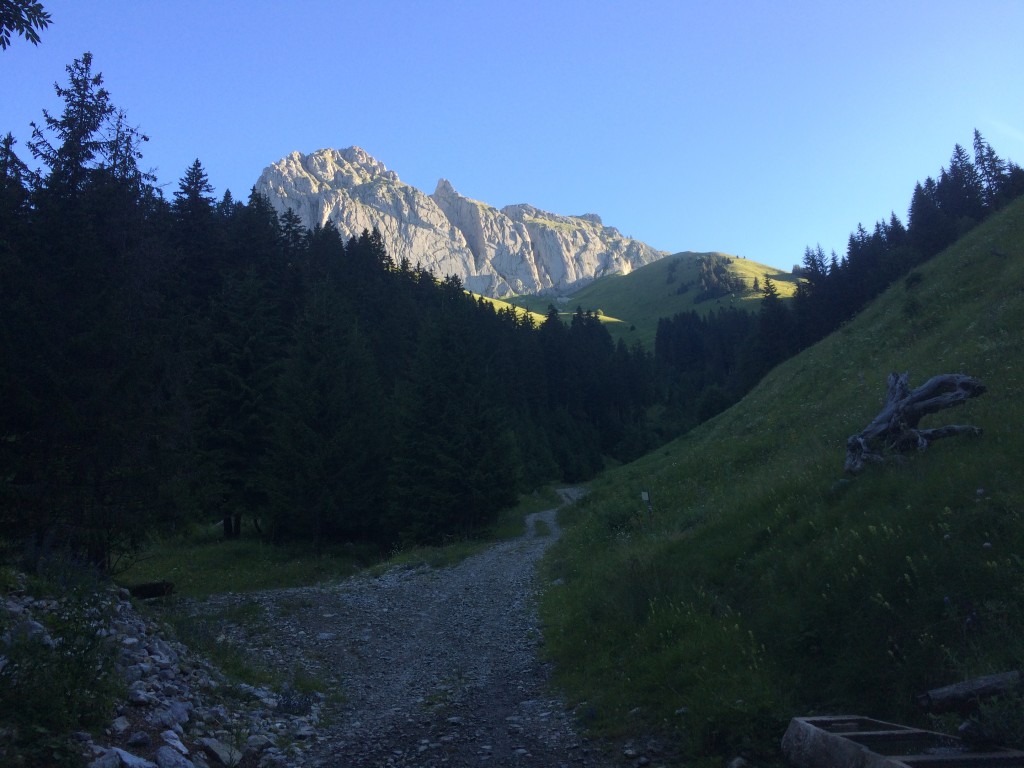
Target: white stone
128 760
168 758
258 742
219 752
109 759
172 739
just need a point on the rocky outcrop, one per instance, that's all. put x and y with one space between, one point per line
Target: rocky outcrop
573 250
358 193
516 250
179 711
500 246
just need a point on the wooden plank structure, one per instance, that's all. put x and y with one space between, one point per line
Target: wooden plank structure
861 742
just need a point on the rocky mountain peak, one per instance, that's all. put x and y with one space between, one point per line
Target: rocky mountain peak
360 158
516 250
444 188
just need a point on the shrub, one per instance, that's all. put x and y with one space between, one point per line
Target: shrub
56 676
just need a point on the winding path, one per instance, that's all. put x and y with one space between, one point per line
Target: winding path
434 667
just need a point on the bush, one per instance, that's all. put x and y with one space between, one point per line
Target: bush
999 721
56 676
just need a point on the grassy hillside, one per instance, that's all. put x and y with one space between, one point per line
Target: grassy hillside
660 289
498 304
768 584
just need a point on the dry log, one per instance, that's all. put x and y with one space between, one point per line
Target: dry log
895 427
963 696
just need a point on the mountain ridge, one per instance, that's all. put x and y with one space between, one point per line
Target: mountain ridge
518 249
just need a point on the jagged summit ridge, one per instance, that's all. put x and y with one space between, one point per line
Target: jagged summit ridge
515 250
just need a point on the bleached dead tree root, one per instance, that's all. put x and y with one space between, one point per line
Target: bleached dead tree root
895 427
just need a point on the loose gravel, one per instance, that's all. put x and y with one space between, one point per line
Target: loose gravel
424 667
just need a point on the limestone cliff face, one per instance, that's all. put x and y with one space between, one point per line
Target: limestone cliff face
516 250
575 249
499 245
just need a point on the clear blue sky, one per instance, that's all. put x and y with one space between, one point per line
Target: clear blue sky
755 128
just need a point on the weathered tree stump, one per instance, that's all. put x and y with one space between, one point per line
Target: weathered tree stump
895 427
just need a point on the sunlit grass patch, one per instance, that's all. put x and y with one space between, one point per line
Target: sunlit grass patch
661 289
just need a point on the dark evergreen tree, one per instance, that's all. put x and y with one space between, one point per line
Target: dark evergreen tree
199 236
236 398
715 279
554 344
15 180
960 191
815 313
328 464
930 227
70 145
992 170
772 340
293 236
429 495
81 333
228 208
1001 180
194 200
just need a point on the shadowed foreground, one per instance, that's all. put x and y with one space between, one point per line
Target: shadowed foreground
433 667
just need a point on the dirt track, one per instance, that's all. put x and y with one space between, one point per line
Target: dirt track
434 667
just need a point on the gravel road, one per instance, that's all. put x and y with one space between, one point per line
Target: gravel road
433 666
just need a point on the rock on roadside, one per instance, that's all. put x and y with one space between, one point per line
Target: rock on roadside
180 711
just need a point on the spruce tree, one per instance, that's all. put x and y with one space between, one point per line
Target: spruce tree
930 227
960 191
90 287
70 145
193 199
236 399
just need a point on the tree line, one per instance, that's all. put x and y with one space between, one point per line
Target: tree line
167 361
706 363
